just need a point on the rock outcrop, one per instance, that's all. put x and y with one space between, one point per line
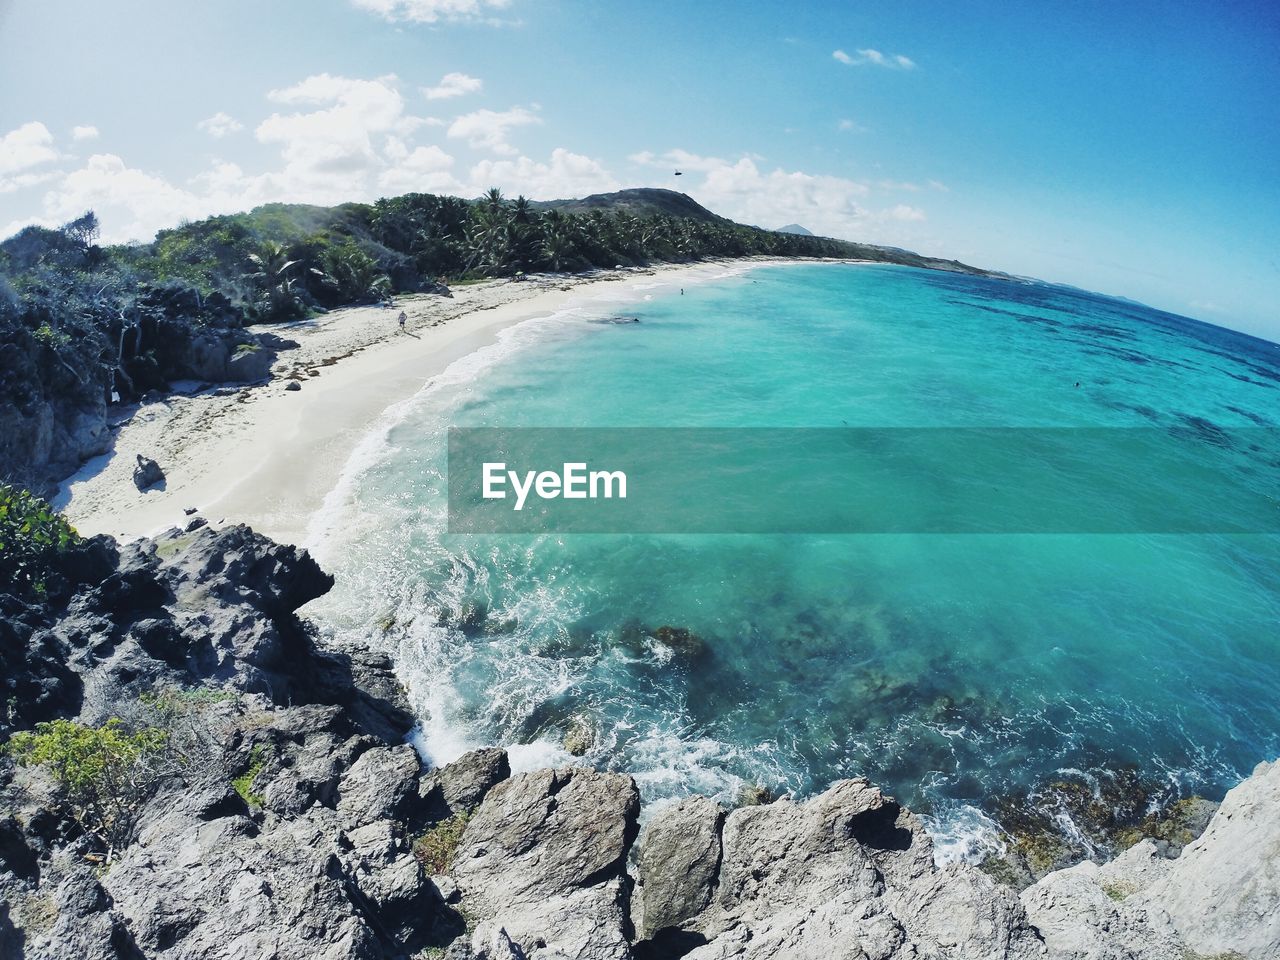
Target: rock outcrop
146 473
289 830
46 434
848 873
291 818
1219 898
543 858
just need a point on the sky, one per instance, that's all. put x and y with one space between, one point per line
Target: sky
1129 148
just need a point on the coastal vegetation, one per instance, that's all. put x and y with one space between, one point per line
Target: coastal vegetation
106 773
243 784
31 536
436 847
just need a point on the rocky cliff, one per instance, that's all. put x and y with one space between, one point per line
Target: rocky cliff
290 819
48 430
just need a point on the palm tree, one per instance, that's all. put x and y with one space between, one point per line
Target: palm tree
273 271
558 249
353 276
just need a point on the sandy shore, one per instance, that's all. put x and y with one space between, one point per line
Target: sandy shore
267 456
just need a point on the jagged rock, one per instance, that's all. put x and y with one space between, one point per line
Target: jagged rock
35 678
213 871
679 864
1220 897
388 876
146 473
1081 917
382 784
281 892
293 385
82 923
543 858
235 562
461 786
849 873
501 947
1223 893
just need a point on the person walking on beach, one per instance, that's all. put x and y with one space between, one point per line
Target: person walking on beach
403 318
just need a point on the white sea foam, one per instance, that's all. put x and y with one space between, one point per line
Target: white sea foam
963 834
375 446
538 755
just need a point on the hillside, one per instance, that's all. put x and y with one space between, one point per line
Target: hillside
637 202
796 229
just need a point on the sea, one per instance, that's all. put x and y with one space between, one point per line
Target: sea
952 668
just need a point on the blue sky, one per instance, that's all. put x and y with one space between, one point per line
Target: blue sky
1130 148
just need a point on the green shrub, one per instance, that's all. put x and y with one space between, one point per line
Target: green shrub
106 772
31 535
435 848
49 337
243 784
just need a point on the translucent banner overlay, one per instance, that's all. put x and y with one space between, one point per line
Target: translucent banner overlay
1192 479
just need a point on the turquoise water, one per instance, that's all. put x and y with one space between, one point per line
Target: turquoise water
950 668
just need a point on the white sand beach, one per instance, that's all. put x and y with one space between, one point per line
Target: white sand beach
267 455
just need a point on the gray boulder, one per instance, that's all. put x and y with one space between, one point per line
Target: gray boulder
381 784
249 362
78 921
1086 914
543 858
679 865
146 473
460 786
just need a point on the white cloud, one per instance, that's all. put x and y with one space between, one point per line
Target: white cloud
487 129
329 152
567 175
23 181
899 185
868 56
939 186
84 133
433 11
220 125
904 212
453 85
421 170
339 139
681 160
828 205
134 202
850 126
30 145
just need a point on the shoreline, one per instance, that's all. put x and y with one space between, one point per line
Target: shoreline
270 456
